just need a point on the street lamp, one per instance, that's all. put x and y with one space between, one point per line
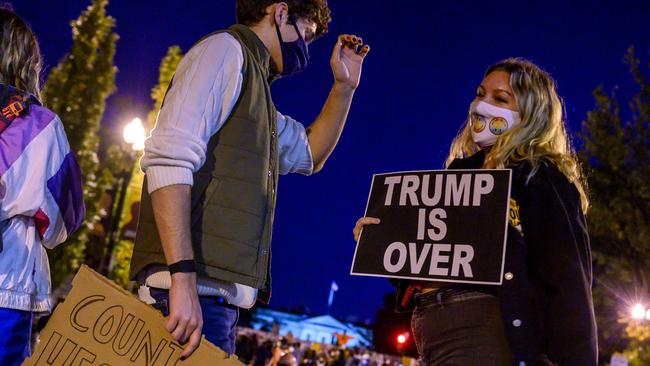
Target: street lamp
134 135
638 312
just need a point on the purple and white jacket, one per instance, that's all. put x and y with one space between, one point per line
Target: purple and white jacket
41 204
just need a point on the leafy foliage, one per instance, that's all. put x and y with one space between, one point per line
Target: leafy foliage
616 152
77 90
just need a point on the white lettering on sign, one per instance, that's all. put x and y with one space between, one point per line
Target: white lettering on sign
437 190
401 259
437 258
483 184
439 230
460 256
460 189
391 182
410 185
417 263
456 191
463 254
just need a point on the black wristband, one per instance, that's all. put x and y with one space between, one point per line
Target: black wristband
184 266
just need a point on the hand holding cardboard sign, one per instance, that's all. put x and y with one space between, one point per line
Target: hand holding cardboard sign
185 319
101 324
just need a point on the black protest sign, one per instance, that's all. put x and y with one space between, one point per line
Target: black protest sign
441 225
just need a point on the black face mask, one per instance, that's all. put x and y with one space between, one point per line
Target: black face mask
295 55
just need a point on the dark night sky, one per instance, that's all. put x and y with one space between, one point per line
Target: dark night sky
426 60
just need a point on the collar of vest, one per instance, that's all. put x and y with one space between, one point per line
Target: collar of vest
254 44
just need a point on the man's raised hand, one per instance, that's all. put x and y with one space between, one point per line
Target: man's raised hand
347 60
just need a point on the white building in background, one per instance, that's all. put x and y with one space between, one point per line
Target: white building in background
321 329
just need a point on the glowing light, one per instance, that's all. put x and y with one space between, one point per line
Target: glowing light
638 312
134 134
647 315
401 339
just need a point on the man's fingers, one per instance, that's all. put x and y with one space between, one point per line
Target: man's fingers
192 326
189 329
351 45
179 332
354 43
336 53
364 51
195 340
171 323
344 40
350 40
355 40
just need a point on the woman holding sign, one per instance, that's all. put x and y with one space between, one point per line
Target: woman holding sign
41 200
543 313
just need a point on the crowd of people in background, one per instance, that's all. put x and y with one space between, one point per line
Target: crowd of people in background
256 348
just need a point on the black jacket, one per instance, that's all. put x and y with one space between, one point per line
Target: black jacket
546 300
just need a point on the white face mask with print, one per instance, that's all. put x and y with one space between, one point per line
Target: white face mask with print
489 122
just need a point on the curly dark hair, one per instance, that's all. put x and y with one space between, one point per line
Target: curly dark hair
250 12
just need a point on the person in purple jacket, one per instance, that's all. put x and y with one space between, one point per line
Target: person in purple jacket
41 200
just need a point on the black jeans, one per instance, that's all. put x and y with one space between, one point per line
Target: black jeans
459 328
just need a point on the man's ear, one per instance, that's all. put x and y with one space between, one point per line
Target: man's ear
281 13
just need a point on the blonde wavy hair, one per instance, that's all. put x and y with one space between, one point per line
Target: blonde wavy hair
20 60
540 137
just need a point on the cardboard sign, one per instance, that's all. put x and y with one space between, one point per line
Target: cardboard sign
101 324
442 225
